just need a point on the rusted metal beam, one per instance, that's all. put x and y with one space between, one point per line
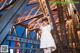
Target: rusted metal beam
62 24
23 25
2 0
25 18
20 20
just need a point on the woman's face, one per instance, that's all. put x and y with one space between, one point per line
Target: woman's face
45 22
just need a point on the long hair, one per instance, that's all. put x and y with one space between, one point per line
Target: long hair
45 20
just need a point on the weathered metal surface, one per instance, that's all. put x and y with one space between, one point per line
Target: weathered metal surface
8 19
53 12
11 38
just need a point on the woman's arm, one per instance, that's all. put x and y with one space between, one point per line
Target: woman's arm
36 26
49 20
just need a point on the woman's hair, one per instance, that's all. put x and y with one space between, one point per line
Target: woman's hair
37 30
75 11
45 20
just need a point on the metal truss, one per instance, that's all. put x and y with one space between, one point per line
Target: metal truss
57 14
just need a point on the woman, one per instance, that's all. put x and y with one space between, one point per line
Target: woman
46 40
44 34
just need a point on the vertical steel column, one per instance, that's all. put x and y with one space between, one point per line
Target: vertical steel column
62 27
62 24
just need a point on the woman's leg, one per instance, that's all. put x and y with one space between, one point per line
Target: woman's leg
47 50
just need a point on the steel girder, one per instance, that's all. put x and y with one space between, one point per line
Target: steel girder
60 39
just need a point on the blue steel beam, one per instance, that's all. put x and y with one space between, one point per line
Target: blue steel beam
8 19
23 40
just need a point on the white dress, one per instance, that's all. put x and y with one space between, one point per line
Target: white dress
11 50
47 40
